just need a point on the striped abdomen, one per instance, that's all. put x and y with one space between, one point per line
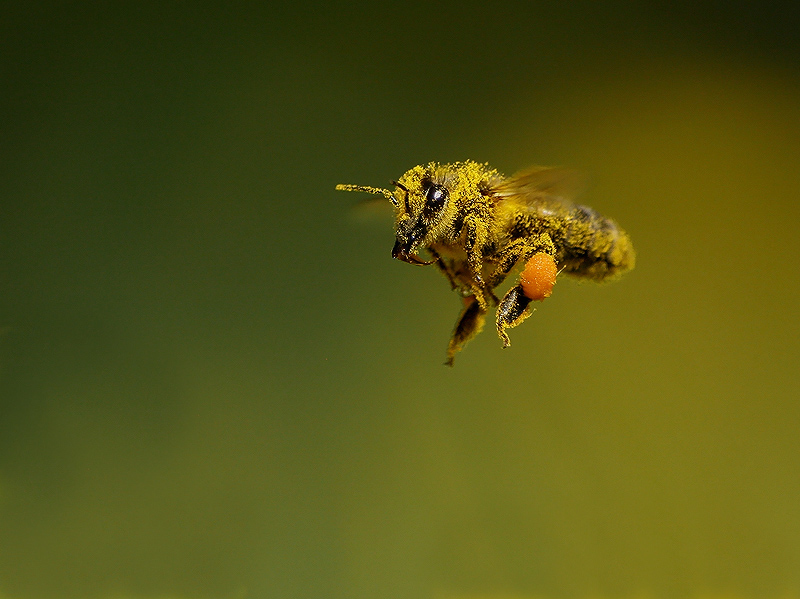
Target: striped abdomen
593 246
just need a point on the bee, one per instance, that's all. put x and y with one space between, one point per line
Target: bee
476 226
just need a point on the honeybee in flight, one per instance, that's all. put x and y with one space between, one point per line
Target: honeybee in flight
476 225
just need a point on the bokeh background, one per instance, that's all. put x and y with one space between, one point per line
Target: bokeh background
216 383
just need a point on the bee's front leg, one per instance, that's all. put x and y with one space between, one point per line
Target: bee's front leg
475 240
469 324
444 267
513 309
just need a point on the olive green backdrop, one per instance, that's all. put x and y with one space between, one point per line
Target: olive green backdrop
216 383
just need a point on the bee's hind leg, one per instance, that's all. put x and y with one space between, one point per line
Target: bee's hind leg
469 324
513 309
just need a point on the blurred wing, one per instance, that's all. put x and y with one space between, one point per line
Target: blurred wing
541 187
372 210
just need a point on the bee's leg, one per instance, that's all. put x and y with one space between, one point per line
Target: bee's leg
507 261
443 267
469 324
519 249
476 238
513 309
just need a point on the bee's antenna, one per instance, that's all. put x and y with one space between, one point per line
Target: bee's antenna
405 189
373 190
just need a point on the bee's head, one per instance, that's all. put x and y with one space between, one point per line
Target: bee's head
402 208
424 213
426 202
420 204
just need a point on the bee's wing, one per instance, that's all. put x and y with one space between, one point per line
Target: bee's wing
541 187
376 210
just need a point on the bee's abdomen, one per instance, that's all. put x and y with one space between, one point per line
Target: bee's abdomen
594 246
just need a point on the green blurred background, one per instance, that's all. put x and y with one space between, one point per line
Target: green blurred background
215 381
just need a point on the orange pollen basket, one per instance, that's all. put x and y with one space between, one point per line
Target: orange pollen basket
539 276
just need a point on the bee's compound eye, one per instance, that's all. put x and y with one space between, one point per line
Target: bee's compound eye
435 197
538 277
